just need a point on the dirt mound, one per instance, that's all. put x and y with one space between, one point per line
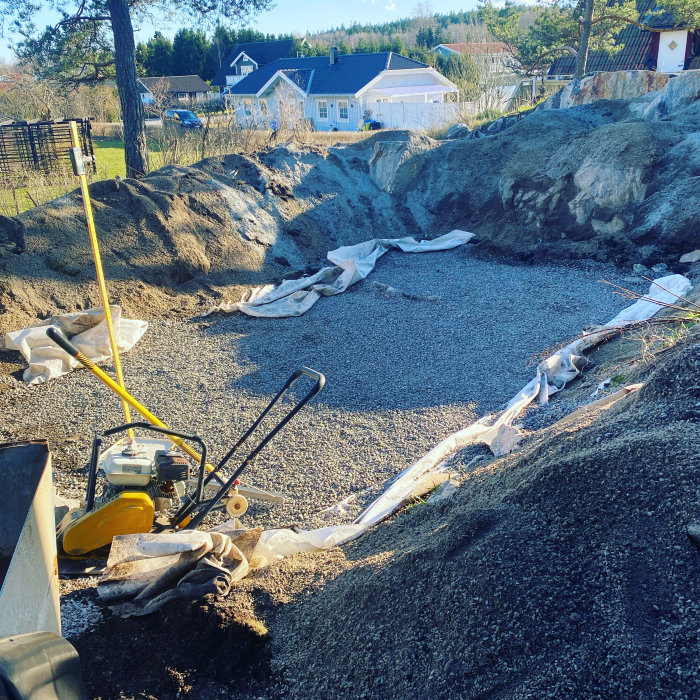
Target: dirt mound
182 234
562 570
610 180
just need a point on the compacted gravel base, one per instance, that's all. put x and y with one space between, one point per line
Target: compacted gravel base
424 346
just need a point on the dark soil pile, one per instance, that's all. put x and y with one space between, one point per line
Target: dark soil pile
563 570
182 235
203 649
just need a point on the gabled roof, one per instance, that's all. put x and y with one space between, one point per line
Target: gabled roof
299 76
636 54
262 52
347 76
176 83
473 48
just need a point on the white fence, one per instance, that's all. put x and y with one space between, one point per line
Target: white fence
419 115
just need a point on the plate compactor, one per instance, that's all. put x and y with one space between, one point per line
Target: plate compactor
160 482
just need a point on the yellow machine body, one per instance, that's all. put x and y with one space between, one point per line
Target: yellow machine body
129 513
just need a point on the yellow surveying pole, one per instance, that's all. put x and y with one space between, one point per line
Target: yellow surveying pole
79 169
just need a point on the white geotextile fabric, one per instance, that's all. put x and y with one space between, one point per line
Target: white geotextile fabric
352 264
87 330
552 374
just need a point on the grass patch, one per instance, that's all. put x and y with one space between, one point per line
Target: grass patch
109 158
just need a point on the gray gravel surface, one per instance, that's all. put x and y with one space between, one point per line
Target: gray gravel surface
425 345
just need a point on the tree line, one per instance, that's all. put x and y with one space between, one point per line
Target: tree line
192 52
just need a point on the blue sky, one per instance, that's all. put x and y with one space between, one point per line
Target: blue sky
300 16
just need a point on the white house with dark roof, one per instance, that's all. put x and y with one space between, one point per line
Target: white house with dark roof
248 57
338 92
176 88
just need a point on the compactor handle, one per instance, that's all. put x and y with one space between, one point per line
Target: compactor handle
320 378
60 339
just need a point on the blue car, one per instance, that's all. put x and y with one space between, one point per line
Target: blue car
184 117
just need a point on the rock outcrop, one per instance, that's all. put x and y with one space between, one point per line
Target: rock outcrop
605 178
604 85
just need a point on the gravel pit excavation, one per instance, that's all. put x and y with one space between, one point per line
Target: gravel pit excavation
413 353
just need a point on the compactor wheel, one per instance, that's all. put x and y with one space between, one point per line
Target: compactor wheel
236 506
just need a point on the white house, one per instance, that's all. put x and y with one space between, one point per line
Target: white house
340 92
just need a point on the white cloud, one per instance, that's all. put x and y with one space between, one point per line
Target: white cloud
391 6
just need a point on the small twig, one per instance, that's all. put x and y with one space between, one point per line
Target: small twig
678 296
665 304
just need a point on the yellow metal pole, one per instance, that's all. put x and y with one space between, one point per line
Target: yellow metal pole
101 279
125 396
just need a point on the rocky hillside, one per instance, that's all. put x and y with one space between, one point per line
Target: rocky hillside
586 175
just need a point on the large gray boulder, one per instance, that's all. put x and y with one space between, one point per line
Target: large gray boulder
607 85
678 94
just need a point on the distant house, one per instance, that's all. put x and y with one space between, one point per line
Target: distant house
249 57
9 81
664 47
177 88
336 92
493 56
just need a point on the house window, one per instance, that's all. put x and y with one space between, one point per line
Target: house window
322 109
263 106
246 69
181 95
247 105
343 110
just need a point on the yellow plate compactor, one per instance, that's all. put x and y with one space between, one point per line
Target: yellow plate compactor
160 481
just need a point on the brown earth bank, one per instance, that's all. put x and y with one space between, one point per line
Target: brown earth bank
610 179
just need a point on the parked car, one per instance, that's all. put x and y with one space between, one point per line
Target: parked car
184 117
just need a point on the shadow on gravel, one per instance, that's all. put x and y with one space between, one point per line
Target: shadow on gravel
423 330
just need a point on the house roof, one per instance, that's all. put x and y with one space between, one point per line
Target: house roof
636 53
262 52
473 48
316 76
175 83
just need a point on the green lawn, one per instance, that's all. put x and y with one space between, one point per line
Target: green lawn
109 158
